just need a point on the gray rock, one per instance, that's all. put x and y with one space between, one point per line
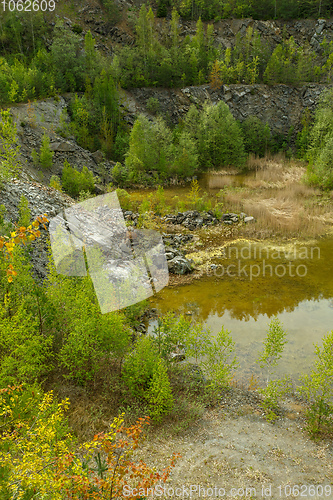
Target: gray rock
98 157
249 219
179 265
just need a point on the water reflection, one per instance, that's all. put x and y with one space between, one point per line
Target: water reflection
245 306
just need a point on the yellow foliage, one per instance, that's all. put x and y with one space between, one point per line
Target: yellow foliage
39 457
20 235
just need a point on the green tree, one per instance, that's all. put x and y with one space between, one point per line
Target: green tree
186 160
150 146
222 142
256 136
319 152
273 344
45 153
65 57
219 361
273 348
318 390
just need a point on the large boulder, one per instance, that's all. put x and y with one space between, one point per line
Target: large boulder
180 265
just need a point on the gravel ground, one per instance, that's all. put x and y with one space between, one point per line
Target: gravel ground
233 452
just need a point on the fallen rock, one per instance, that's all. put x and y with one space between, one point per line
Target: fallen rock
179 265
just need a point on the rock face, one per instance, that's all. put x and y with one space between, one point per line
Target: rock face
281 106
50 117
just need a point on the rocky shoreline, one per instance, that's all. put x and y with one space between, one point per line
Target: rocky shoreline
49 201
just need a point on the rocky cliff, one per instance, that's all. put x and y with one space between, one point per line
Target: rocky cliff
281 106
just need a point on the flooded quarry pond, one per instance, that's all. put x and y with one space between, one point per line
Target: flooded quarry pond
249 283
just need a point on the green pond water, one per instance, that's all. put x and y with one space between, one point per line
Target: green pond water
298 288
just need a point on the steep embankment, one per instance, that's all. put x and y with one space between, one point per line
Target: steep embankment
281 106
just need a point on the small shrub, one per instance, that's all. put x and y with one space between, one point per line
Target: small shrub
77 29
45 153
74 181
318 390
159 201
144 210
24 212
10 160
84 195
124 199
273 345
120 174
153 105
139 367
274 390
35 157
55 183
159 395
146 377
219 361
273 348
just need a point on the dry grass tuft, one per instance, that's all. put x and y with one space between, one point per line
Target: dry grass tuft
279 200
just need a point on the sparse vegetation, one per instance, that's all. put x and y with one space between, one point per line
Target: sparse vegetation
54 341
74 182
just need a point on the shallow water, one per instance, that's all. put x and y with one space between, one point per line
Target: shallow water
209 183
298 288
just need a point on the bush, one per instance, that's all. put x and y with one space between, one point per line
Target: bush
45 153
55 183
273 348
40 459
139 367
124 199
273 344
219 362
324 165
25 349
318 390
153 105
120 174
89 339
74 181
159 395
146 377
77 29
